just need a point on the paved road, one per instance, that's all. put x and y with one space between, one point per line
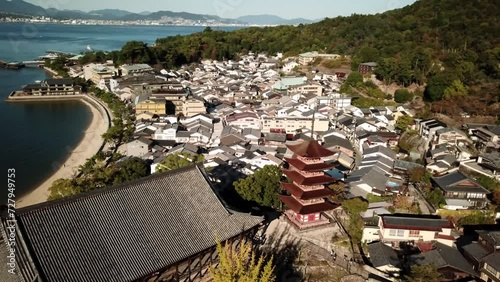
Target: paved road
424 206
349 266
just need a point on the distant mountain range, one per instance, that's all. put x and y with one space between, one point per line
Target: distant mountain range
272 20
21 7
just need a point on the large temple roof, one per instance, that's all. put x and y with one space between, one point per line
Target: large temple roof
310 149
300 165
297 207
306 195
129 231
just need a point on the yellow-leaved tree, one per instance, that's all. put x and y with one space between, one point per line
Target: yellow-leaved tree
240 264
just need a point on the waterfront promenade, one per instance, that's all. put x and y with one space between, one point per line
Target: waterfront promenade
90 144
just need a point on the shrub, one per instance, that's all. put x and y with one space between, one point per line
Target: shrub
402 96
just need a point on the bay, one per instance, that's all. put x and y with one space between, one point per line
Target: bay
38 136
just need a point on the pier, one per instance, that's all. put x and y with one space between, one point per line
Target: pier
34 63
18 65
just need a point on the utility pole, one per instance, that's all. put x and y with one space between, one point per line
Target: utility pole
314 118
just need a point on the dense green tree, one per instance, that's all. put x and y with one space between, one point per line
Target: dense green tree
489 62
426 178
365 102
387 70
131 169
354 79
178 160
241 264
436 198
488 182
403 96
416 174
355 226
434 91
62 188
262 187
134 52
403 122
340 191
454 90
424 273
95 175
355 62
368 54
115 133
355 205
477 218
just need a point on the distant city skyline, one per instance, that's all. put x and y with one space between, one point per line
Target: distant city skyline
235 8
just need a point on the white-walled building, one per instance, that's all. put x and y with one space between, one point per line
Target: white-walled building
394 229
293 123
336 101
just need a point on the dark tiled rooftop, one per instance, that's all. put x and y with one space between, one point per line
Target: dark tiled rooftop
415 223
457 181
476 250
381 255
128 231
444 256
493 260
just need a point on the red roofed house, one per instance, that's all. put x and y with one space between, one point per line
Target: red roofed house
307 202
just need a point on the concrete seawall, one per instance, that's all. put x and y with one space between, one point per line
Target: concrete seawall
12 98
90 99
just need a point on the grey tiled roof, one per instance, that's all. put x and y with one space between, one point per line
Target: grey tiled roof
448 158
382 255
476 250
415 222
492 237
334 140
449 182
493 260
251 131
381 149
493 158
372 176
129 231
444 256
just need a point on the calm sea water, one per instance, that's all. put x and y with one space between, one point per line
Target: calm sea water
38 135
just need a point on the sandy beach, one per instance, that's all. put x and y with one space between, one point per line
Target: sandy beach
88 146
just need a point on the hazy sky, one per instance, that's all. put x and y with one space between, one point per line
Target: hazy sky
311 9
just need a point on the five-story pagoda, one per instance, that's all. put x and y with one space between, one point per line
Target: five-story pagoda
308 192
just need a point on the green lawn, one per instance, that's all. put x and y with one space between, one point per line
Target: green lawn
374 199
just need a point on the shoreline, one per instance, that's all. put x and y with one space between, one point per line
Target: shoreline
90 144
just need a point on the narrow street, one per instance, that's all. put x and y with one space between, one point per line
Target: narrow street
424 206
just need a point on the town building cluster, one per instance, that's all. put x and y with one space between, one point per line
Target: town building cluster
398 241
243 112
247 114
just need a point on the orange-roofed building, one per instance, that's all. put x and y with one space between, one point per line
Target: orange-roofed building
307 191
